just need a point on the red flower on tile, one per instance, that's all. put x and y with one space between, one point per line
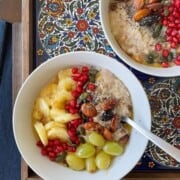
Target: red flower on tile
151 164
79 10
176 108
95 30
82 25
71 34
176 122
167 131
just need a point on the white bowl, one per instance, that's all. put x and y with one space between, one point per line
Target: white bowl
22 126
156 71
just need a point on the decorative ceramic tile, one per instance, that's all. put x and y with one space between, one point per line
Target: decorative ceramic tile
72 25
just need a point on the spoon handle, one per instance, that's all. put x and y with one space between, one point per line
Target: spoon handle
168 148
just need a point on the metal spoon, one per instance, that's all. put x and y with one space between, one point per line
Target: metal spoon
168 148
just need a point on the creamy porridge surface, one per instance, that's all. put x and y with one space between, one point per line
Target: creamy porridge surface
147 31
109 86
129 34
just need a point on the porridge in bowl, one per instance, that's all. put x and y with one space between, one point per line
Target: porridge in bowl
148 31
76 118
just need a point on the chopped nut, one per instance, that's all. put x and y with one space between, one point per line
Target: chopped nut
141 13
138 4
114 123
88 109
107 104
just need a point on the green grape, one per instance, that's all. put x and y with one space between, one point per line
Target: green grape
85 150
113 148
103 160
90 164
75 162
96 139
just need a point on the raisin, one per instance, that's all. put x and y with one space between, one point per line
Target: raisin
149 20
107 115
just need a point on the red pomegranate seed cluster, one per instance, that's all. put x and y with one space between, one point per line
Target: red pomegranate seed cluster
172 35
81 76
172 22
54 148
72 130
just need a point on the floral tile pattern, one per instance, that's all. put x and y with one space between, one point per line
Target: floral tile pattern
164 98
72 25
68 25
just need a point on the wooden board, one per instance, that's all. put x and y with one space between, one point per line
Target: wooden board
22 66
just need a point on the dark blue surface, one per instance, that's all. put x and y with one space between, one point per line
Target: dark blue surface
10 160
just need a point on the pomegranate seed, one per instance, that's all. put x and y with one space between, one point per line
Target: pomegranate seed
171 18
73 138
52 158
168 38
73 103
80 83
71 149
177 62
75 122
74 70
39 144
165 22
175 40
77 75
77 141
158 47
171 9
177 21
70 133
91 86
73 110
173 45
80 121
49 149
171 25
178 57
65 146
85 69
59 149
83 78
51 154
50 143
75 78
174 32
44 152
73 130
165 52
57 142
79 89
165 64
75 93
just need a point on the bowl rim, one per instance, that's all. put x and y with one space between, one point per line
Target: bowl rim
150 70
43 65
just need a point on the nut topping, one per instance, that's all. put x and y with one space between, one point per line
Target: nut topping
107 104
88 109
138 4
141 13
